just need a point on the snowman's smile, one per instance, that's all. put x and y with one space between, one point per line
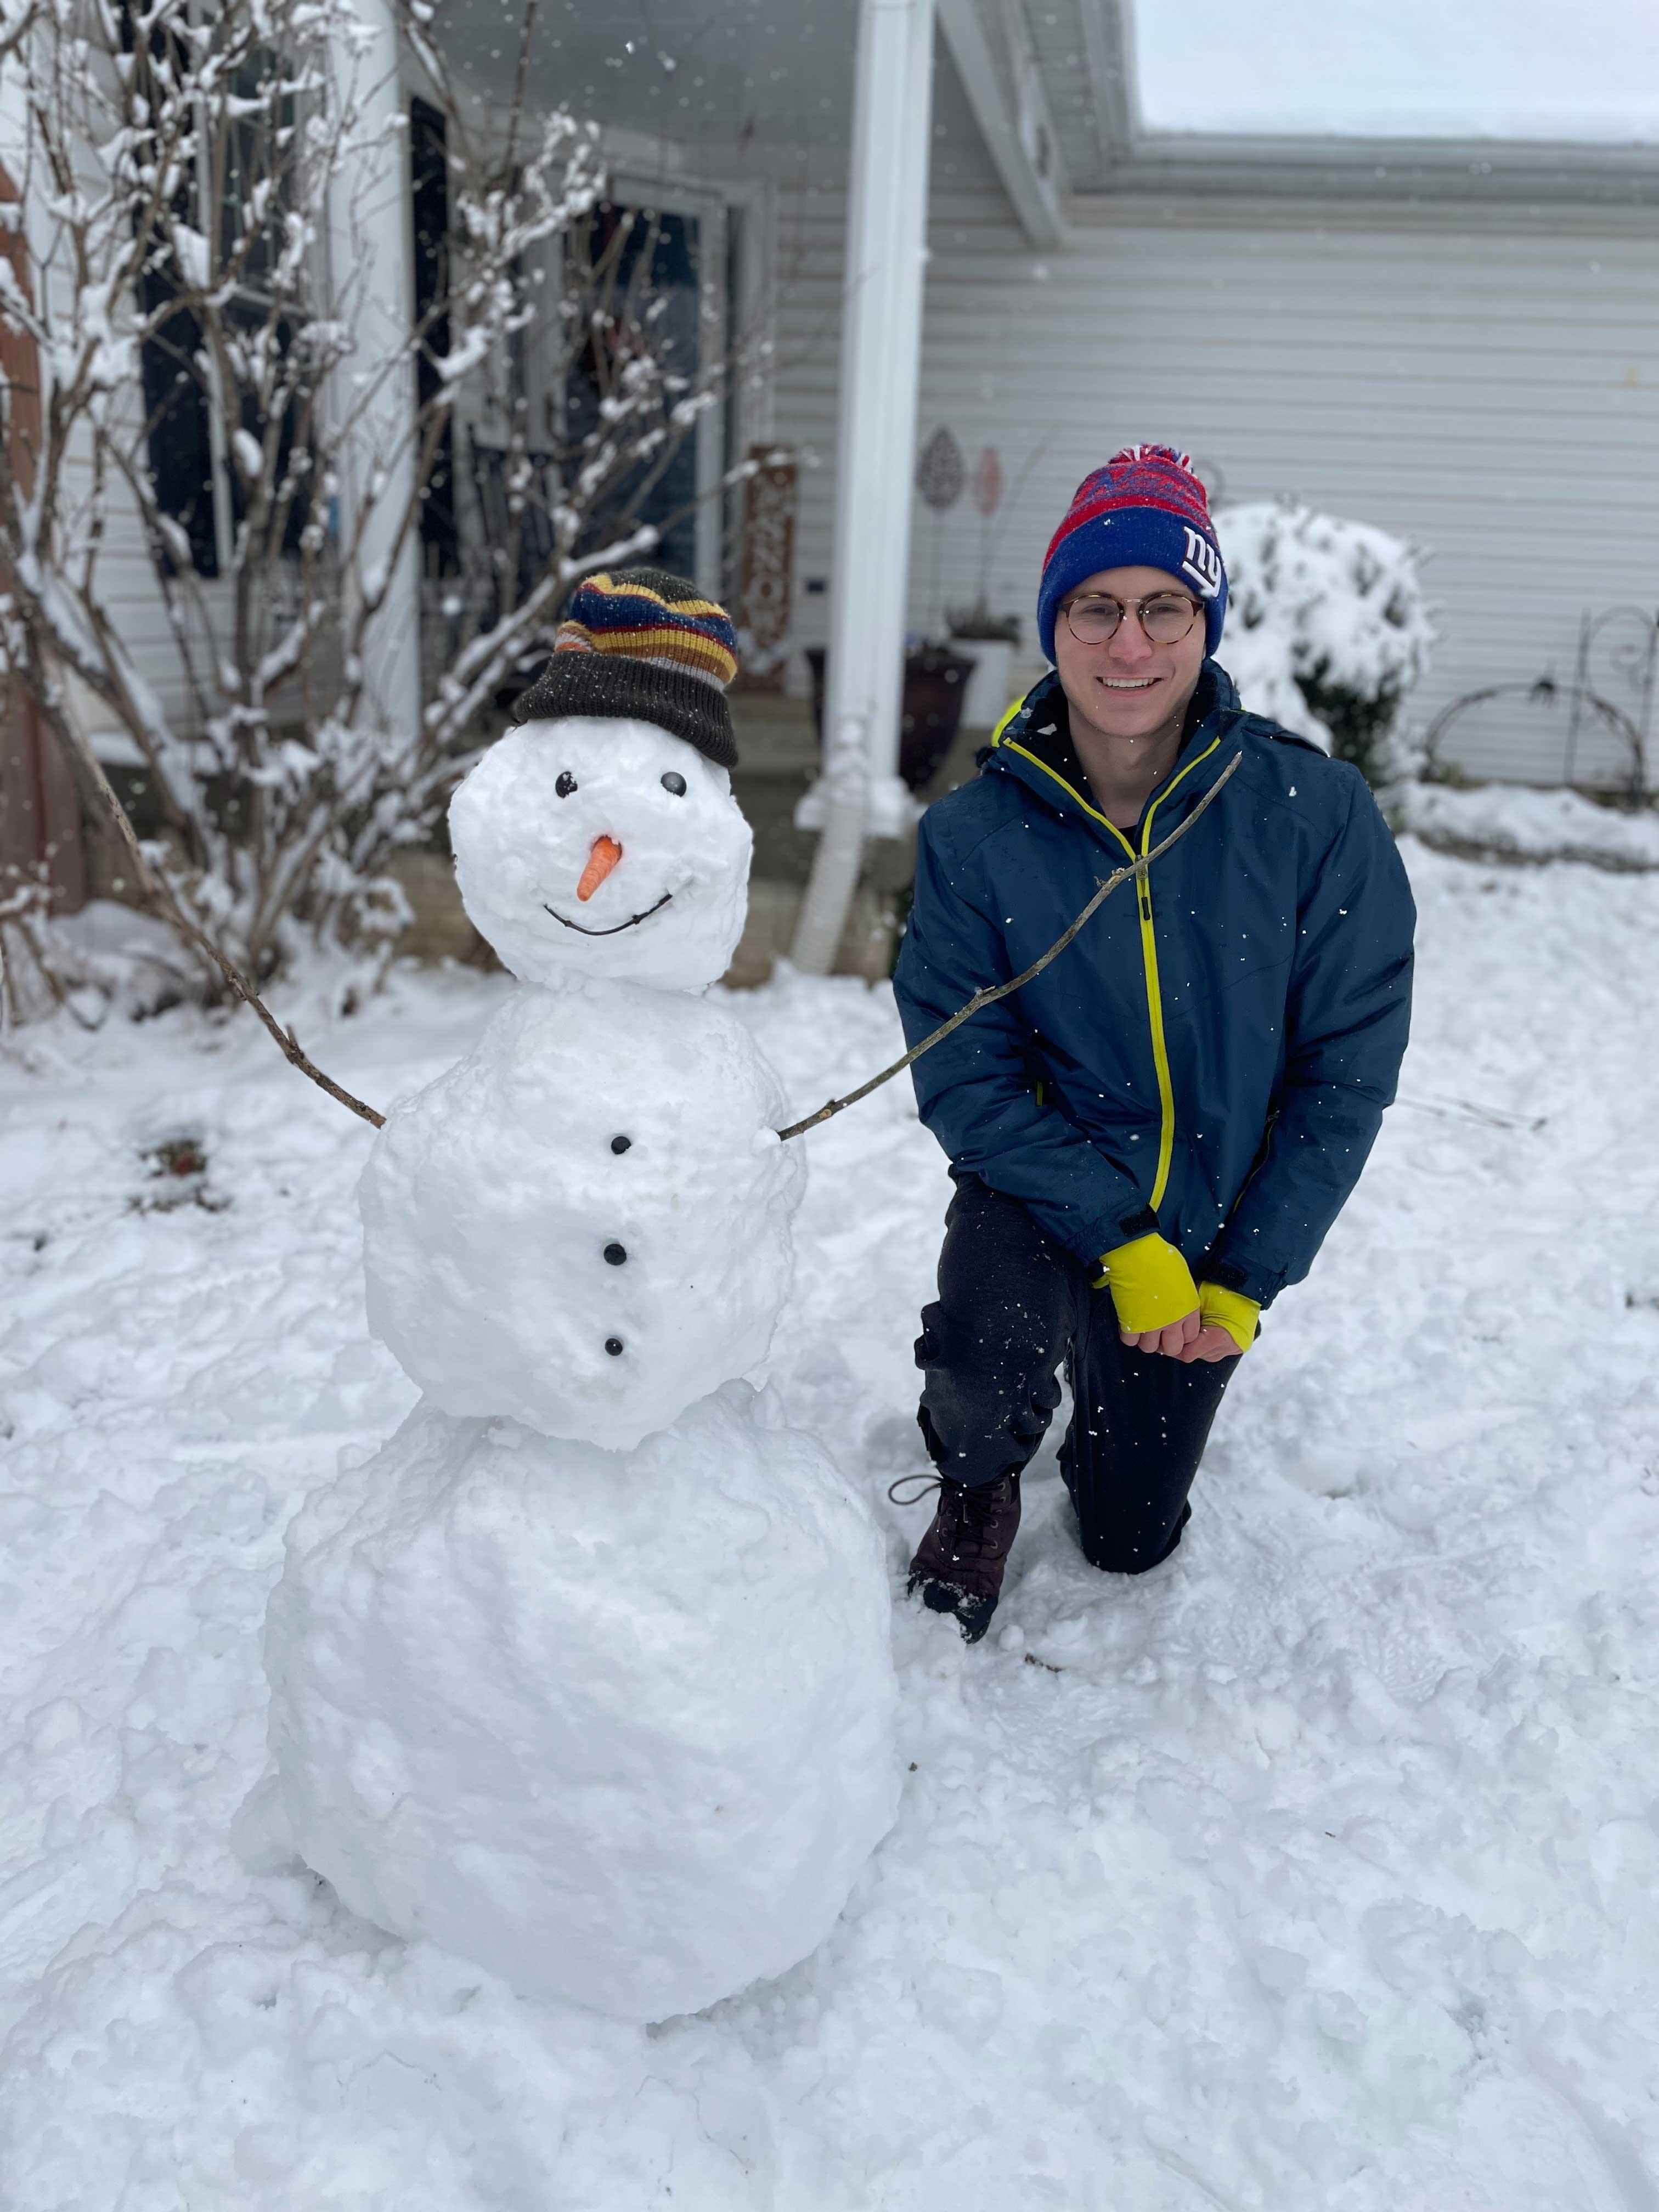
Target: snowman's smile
615 928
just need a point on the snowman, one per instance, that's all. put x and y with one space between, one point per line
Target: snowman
586 1675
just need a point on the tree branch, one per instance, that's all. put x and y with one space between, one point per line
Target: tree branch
160 893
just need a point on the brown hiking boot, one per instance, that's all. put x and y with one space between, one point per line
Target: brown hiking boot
959 1563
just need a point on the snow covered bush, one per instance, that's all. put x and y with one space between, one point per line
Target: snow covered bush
104 959
1327 628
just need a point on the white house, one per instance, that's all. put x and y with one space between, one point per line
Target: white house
1456 339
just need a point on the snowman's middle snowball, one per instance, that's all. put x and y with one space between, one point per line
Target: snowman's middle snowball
493 1200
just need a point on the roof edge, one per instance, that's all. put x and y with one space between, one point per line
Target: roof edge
1384 170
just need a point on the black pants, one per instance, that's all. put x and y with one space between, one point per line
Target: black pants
1012 1305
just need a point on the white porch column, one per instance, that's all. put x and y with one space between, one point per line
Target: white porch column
372 255
880 364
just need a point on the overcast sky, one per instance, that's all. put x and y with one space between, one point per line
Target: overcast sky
1499 69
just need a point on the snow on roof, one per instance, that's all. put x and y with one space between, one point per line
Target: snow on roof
1414 69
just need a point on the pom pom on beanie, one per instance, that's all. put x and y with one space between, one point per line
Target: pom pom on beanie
1144 509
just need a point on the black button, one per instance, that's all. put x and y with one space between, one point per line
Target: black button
613 1346
615 1254
620 1144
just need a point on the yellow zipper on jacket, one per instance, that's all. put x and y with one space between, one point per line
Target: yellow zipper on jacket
1148 944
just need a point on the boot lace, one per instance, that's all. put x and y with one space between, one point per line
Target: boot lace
972 1512
926 1482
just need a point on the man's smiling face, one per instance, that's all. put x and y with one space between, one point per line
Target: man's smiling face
1129 687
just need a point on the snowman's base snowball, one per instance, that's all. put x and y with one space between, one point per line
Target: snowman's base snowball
616 1726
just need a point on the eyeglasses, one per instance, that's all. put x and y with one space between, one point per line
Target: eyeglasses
1165 617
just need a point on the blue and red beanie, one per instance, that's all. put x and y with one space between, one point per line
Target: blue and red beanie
1144 509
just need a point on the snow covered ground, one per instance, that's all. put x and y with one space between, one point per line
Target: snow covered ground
1499 820
1315 1873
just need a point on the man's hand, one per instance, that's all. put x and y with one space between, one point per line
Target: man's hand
1221 1325
1176 1338
1150 1284
1186 1340
1211 1342
1153 1291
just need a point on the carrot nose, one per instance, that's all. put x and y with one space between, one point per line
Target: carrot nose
600 861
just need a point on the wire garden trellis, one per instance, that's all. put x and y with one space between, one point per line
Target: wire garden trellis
1618 655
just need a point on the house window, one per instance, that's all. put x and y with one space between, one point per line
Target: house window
181 435
194 482
440 551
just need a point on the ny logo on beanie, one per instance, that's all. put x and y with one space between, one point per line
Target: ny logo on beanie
1202 562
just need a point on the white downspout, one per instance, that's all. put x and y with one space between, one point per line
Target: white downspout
880 366
372 262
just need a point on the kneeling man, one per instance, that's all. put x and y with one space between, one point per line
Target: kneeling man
1149 1140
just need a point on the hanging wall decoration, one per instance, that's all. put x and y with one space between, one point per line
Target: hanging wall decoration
941 473
766 587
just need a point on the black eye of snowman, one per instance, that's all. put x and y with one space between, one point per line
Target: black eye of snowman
675 783
566 784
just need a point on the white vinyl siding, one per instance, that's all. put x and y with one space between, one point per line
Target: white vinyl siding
1490 395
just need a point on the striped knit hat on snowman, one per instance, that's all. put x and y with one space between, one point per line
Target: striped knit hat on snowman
642 644
1144 509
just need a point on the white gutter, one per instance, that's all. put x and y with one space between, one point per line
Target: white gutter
880 369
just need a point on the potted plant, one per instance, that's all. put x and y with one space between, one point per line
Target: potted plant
988 642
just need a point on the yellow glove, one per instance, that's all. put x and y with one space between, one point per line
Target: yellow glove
1150 1284
1229 1309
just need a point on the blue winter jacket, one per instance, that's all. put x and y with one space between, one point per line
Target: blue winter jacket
1210 1058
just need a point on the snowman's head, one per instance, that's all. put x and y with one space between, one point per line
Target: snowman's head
600 836
602 848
